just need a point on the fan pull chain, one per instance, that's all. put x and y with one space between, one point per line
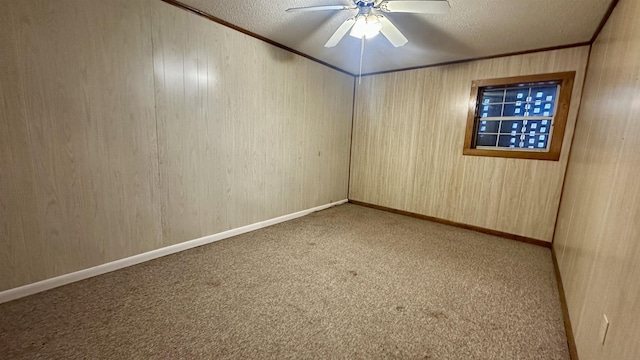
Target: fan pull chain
361 55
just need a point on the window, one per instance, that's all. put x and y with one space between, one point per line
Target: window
519 117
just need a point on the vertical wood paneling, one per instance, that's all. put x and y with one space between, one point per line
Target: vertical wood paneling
78 137
408 137
248 132
597 236
126 126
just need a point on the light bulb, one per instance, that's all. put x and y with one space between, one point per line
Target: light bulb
366 26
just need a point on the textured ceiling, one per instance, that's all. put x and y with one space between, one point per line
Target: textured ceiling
472 29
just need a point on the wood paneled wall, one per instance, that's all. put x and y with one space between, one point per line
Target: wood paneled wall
79 169
408 137
269 132
597 240
126 126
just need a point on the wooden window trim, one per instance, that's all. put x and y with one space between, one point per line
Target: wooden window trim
559 122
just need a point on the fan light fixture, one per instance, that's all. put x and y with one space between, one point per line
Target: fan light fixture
370 21
366 26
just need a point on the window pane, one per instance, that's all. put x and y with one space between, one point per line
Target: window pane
519 94
514 109
544 93
510 126
488 126
509 141
541 108
486 140
492 96
490 111
538 126
536 142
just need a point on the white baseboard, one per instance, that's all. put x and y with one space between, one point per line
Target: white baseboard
57 281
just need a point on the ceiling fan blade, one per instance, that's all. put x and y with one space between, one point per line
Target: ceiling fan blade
391 32
321 8
418 7
340 33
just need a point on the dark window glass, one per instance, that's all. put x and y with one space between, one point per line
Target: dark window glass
510 126
519 94
546 93
537 141
541 108
488 126
516 116
490 111
509 141
514 110
492 96
486 140
539 126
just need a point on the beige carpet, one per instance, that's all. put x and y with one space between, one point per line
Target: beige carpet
347 282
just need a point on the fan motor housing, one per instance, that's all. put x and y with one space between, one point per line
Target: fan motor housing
364 3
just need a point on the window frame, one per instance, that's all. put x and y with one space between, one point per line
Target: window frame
563 101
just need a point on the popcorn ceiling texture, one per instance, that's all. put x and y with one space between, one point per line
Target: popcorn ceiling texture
347 282
472 29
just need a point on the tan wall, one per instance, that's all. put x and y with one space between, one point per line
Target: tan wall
597 241
126 126
268 133
408 136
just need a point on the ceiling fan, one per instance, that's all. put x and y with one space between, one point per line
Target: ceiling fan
367 23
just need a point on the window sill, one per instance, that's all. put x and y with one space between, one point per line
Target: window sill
514 154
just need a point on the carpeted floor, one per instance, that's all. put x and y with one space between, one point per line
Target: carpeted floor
347 282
